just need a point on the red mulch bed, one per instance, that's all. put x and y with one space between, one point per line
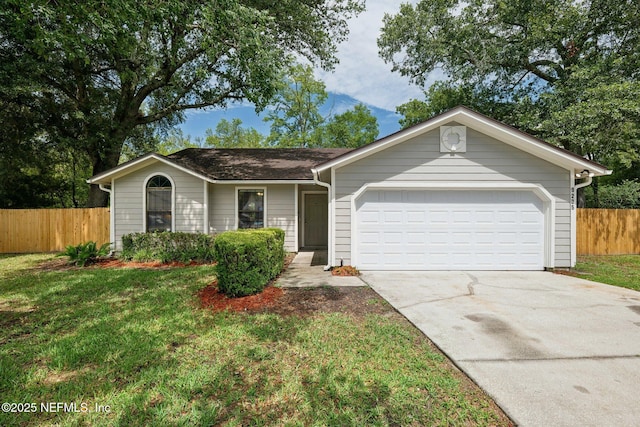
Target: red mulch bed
345 270
212 298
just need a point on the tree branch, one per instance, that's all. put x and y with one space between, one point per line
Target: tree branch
174 107
533 68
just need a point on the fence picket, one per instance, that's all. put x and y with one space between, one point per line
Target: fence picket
608 231
51 230
598 231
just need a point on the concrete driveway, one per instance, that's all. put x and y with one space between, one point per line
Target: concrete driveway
552 350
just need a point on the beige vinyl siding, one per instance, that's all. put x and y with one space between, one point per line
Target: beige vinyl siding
281 209
281 212
222 212
130 193
420 160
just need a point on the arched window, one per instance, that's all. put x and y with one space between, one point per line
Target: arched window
159 204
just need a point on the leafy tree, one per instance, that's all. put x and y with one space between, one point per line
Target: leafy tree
353 128
509 44
565 71
231 134
625 195
35 173
296 120
105 72
176 140
603 123
442 96
295 114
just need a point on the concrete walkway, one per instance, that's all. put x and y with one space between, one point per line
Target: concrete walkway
307 271
551 350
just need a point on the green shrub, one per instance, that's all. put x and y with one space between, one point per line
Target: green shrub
275 249
85 253
625 195
168 246
248 260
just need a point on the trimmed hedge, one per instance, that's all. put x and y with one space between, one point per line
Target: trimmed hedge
248 260
168 246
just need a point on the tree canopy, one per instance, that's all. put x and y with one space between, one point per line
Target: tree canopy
93 76
295 114
564 70
296 118
508 44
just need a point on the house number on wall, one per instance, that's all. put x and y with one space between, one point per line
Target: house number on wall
573 198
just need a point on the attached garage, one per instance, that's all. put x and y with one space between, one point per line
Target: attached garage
417 229
459 191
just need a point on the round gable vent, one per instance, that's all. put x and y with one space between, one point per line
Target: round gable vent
453 139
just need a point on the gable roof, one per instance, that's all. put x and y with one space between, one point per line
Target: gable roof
477 121
233 164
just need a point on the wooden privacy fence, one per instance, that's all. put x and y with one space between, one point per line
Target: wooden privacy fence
51 230
599 231
608 231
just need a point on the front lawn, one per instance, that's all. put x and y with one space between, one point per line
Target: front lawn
618 270
138 342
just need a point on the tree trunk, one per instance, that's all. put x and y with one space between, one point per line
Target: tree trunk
582 200
97 198
107 159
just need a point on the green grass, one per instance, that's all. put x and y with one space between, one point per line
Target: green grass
137 341
617 270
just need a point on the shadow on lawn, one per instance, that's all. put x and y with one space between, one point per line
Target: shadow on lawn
136 340
89 332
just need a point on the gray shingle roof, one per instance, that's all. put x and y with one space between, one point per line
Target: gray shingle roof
255 163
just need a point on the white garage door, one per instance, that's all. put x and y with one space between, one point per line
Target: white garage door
449 230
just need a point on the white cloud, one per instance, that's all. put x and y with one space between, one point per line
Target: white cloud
361 73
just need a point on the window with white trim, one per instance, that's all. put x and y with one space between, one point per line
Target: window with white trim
251 207
159 213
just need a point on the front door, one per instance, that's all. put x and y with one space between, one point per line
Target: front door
315 220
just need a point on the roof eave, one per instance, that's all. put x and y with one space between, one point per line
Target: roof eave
263 181
484 124
106 177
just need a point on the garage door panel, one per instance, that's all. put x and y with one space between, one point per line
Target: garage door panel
530 239
442 230
530 217
416 217
438 259
438 238
369 238
392 217
370 217
485 217
462 217
416 237
507 217
506 238
461 238
415 259
484 238
392 238
437 217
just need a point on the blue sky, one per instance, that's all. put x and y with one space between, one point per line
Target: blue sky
361 76
198 122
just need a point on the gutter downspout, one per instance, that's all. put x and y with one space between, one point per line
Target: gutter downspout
111 218
105 189
585 174
316 180
589 177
